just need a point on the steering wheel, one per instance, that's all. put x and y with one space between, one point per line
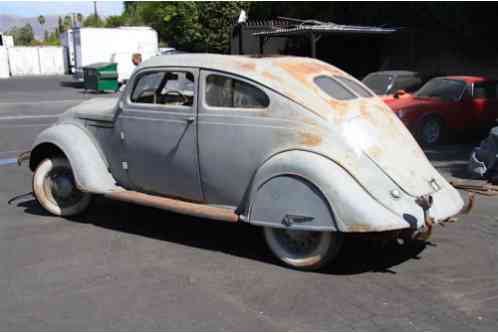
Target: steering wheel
154 94
177 92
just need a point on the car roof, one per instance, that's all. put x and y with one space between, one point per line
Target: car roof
396 73
290 76
260 68
468 79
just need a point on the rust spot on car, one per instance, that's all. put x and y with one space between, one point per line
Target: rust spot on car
175 205
247 66
310 139
302 71
309 122
340 109
270 76
359 227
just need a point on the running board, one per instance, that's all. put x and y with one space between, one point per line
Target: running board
175 205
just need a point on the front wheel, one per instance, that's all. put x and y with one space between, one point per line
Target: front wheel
307 250
431 131
55 189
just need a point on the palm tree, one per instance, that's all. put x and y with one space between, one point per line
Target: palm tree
41 20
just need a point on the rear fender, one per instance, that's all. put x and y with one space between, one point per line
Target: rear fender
89 166
318 193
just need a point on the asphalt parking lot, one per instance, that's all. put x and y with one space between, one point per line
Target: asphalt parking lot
125 267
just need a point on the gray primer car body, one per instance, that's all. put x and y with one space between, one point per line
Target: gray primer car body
306 161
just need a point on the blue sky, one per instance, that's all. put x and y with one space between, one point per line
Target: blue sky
32 8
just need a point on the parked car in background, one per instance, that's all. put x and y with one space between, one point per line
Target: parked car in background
448 104
293 145
390 82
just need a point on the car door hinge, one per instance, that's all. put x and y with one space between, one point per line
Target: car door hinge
124 165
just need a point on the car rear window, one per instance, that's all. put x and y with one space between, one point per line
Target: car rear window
356 87
227 92
485 90
333 88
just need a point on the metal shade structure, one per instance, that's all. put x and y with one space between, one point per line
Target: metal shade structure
314 30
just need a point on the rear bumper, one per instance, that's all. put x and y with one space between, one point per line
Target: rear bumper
411 215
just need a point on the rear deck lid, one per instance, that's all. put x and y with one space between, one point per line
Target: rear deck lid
381 136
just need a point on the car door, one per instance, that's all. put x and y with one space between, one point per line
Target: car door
451 103
157 125
485 103
236 134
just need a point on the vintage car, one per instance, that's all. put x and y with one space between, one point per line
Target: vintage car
389 83
293 145
448 104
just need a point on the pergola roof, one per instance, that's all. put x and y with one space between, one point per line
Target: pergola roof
323 28
314 30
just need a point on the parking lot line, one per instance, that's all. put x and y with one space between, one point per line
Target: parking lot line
39 116
8 161
25 125
43 102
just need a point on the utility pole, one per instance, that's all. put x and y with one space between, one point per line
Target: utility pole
95 8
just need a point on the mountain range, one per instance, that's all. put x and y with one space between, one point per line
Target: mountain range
7 22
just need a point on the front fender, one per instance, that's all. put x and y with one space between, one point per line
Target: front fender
90 169
306 178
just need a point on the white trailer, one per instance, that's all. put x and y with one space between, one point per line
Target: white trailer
93 45
6 40
4 63
67 42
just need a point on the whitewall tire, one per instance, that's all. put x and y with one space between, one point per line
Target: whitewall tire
55 189
307 250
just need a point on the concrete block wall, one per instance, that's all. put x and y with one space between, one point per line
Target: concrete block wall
51 60
22 61
4 63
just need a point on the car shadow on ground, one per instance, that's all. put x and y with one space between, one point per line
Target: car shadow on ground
357 255
72 84
80 85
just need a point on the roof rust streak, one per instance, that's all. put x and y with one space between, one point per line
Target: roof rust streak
310 139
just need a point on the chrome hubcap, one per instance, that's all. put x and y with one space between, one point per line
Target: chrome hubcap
297 241
60 188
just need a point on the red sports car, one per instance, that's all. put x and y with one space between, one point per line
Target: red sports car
446 104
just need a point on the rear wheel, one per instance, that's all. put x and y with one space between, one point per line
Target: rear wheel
307 250
431 131
55 189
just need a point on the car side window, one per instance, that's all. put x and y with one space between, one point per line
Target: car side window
169 88
227 92
407 83
485 90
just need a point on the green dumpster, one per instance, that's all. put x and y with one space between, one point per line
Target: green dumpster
101 76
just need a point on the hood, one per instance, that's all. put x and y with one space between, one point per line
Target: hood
380 136
397 104
98 109
391 99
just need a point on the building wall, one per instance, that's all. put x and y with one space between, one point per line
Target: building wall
36 60
4 63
